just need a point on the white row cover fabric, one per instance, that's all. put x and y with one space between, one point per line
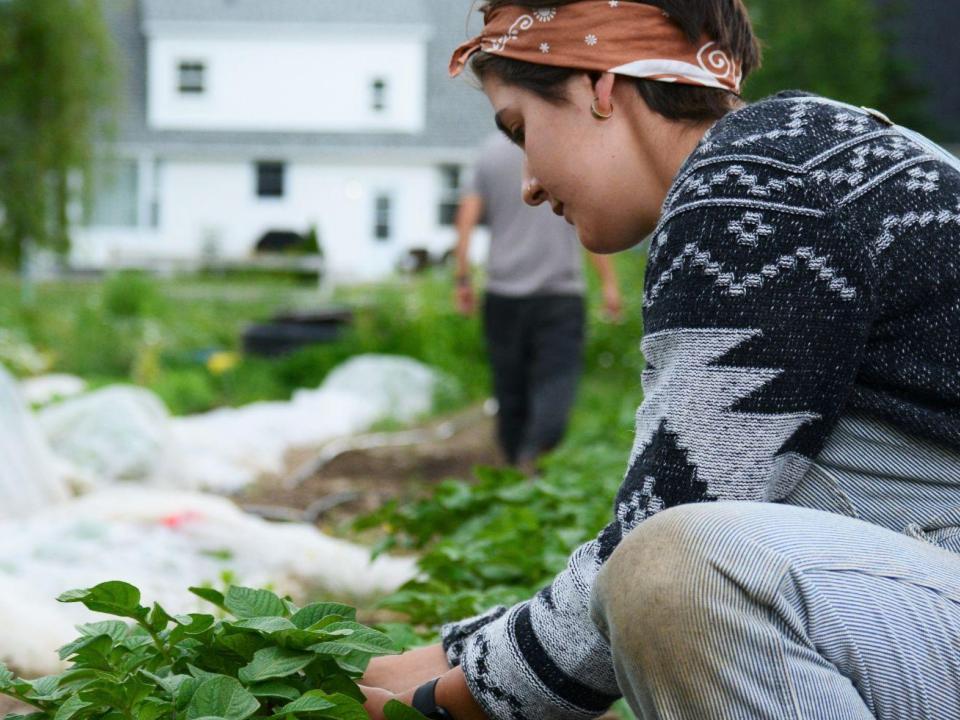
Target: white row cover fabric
125 433
30 476
45 389
228 448
163 542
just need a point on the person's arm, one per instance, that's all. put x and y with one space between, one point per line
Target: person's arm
757 316
469 215
610 287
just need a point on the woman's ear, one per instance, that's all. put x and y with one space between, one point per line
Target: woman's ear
603 89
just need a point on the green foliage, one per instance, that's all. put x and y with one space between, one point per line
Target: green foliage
267 658
131 295
160 333
843 49
501 537
57 89
832 47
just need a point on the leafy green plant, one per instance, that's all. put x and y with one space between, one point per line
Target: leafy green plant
498 538
265 657
131 294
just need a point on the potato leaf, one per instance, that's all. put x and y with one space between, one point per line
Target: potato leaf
212 596
311 614
113 597
274 689
274 662
250 603
313 701
354 636
6 677
395 710
222 697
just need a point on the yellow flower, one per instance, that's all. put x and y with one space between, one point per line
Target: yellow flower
221 362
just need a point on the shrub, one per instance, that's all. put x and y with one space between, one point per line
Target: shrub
131 295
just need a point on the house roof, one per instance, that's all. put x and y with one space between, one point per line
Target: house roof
279 11
458 115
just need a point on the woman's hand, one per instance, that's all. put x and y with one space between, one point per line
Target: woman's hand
376 698
397 673
452 693
612 302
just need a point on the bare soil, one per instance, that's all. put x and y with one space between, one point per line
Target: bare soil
359 481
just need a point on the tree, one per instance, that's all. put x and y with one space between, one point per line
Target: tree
57 100
843 49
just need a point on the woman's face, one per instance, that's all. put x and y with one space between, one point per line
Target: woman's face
596 173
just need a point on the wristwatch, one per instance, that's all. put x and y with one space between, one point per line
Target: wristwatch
425 701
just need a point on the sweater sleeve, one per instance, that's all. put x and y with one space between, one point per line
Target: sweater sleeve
757 314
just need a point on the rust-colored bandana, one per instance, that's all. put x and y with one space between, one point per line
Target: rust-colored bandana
621 37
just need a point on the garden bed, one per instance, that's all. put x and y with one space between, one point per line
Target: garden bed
380 474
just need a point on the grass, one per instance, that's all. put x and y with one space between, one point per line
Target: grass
162 334
180 337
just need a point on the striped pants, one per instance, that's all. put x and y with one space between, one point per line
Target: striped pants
746 610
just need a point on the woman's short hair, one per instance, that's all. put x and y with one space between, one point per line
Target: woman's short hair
727 22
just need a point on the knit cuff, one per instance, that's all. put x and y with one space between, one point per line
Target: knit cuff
455 635
512 678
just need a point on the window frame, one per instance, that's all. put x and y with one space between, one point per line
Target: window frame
450 193
199 68
383 216
379 87
270 187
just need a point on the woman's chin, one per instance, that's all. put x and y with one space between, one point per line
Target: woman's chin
604 243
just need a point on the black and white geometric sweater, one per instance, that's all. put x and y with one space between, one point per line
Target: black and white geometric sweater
806 266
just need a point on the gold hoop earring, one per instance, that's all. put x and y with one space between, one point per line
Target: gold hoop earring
595 110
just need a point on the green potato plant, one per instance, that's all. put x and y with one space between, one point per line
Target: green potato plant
264 657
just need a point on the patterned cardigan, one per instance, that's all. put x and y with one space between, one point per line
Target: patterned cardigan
806 265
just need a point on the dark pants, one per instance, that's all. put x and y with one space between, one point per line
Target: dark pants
535 346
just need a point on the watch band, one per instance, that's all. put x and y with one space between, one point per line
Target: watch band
425 701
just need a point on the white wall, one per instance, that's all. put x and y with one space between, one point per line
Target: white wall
306 79
204 203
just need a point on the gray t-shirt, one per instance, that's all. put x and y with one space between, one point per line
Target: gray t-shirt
532 251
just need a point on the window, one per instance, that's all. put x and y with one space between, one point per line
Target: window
115 195
382 213
450 185
191 77
378 95
270 179
157 172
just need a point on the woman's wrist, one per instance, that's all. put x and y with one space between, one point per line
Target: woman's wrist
454 694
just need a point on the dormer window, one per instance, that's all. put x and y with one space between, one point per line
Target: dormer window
190 77
378 95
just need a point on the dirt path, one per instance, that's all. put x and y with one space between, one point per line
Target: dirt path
358 481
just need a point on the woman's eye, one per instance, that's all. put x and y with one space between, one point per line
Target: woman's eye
517 136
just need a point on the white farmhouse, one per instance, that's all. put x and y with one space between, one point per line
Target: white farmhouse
244 117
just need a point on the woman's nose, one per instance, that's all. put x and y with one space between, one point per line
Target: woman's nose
533 192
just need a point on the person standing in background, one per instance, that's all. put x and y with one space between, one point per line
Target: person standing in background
533 307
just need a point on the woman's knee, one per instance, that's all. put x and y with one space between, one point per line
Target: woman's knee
659 577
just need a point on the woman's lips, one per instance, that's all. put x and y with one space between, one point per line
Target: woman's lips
560 209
